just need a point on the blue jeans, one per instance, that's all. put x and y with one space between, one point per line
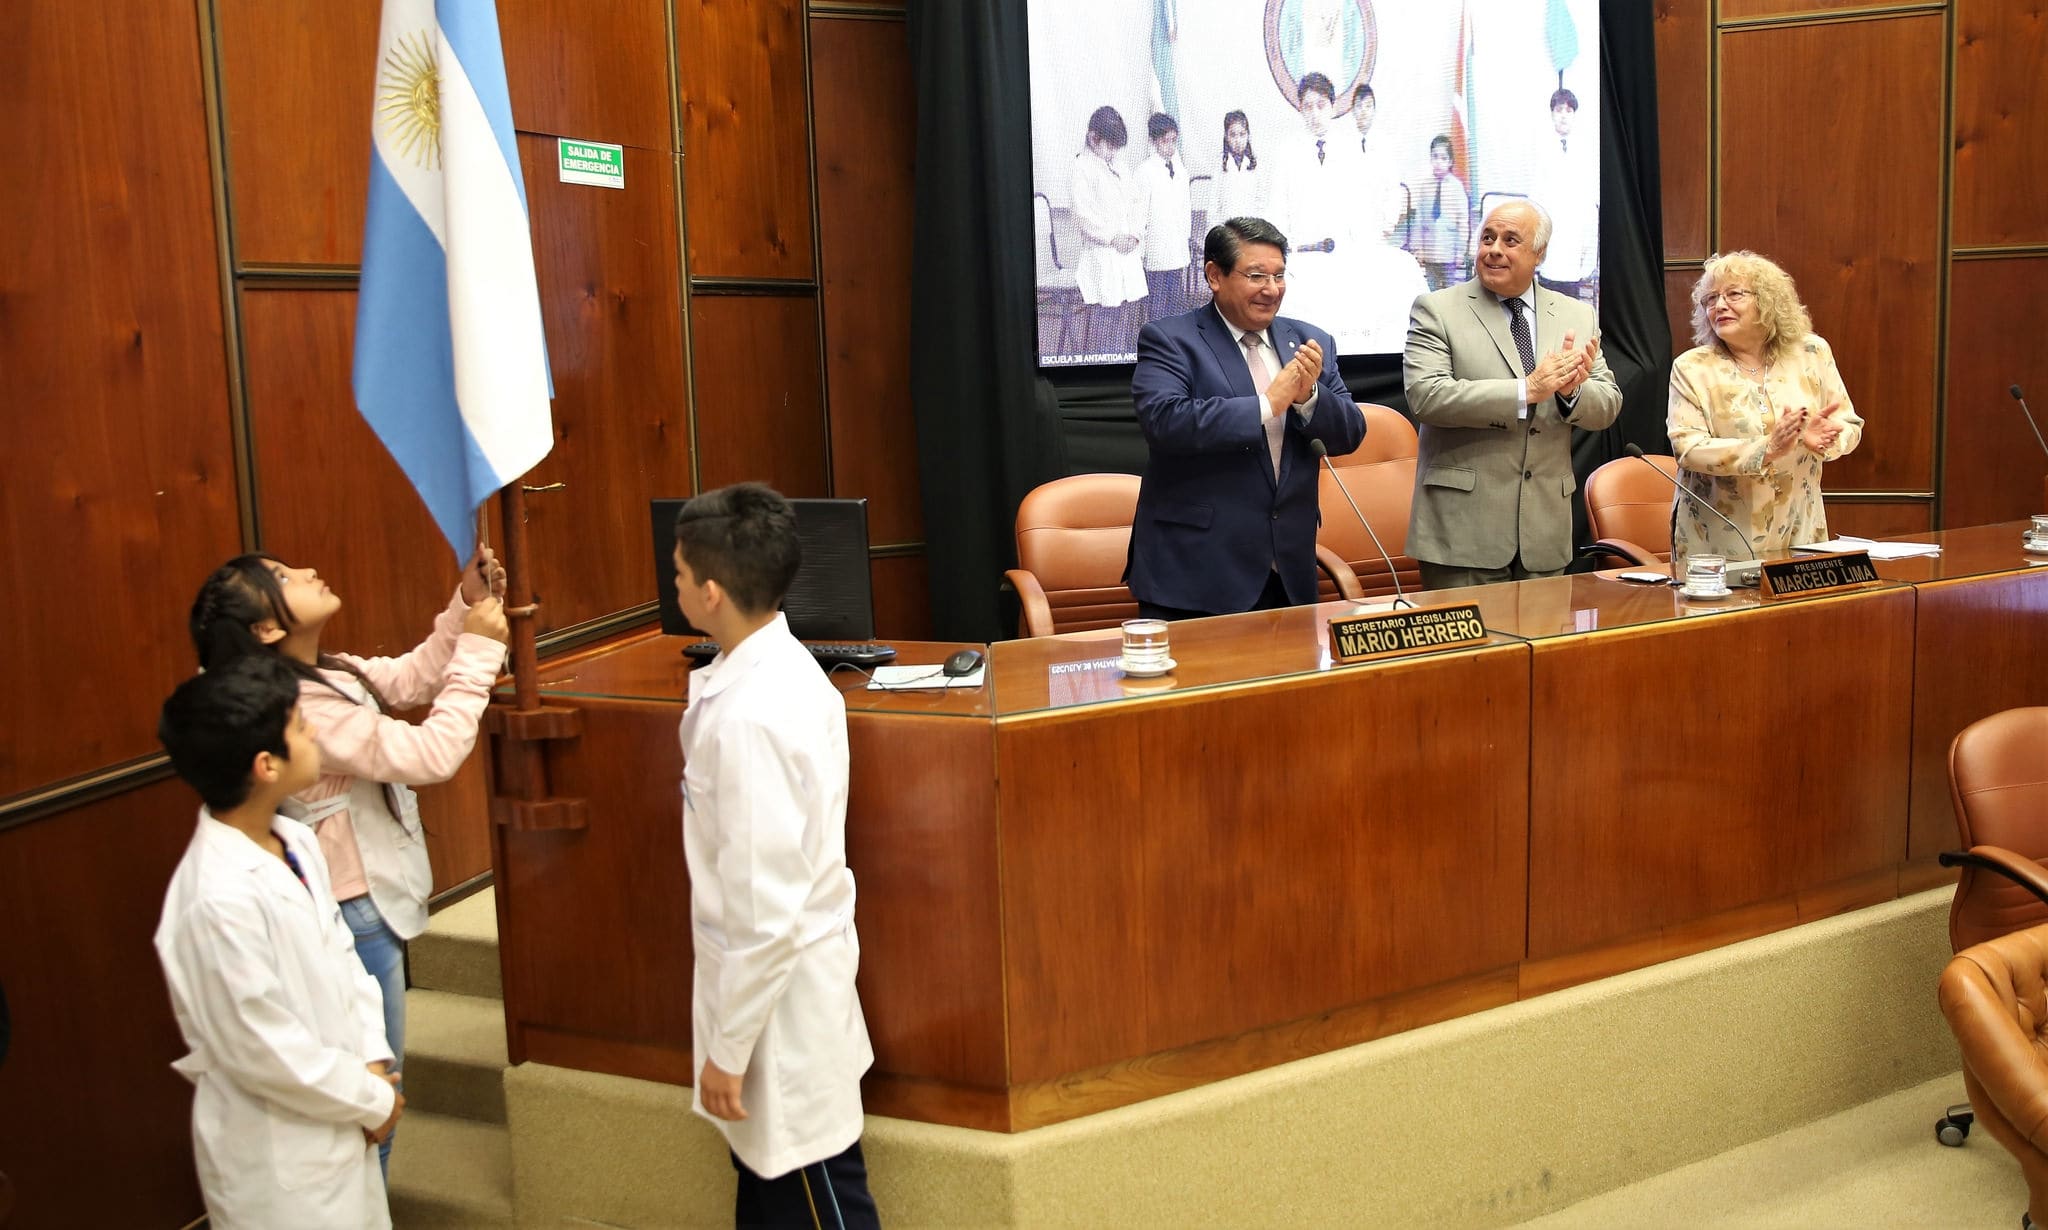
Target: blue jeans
383 954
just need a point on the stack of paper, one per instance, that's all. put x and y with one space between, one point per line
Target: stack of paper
1878 550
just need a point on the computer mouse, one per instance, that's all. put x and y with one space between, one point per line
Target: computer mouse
963 662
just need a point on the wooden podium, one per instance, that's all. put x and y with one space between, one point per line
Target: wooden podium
1078 890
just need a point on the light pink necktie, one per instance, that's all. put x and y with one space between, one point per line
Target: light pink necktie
1276 427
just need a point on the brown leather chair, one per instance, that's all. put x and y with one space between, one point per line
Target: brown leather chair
1073 540
1995 997
1998 781
1628 509
1380 476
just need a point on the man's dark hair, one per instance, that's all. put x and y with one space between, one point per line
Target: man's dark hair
217 721
1440 139
1227 239
1107 125
1362 93
1159 125
1564 98
744 538
1319 83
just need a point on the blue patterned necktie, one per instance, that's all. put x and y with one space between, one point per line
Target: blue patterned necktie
1519 327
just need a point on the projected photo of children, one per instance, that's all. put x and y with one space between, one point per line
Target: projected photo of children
1374 135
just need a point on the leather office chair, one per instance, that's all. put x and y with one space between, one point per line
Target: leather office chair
1380 476
1073 540
1628 509
1998 781
1995 998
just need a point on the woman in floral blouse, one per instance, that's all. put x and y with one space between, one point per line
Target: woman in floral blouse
1756 408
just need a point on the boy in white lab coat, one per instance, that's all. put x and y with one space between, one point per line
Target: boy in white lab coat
776 1025
285 1030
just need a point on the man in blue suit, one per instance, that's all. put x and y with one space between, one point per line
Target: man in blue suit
1229 396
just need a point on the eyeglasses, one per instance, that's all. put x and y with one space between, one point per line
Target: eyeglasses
1261 281
1733 298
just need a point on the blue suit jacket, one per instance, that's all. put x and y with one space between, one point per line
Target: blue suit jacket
1212 522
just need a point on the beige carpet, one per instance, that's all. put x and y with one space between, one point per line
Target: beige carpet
1875 1165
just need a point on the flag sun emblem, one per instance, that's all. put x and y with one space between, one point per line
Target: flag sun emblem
409 100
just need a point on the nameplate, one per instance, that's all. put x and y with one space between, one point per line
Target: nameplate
1384 634
1807 575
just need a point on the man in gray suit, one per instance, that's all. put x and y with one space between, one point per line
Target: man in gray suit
1493 476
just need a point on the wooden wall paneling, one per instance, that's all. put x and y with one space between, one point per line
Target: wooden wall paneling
1977 651
903 597
1879 520
866 127
1722 811
1684 97
99 1125
760 408
298 83
1869 271
1992 465
1743 10
1678 284
332 498
120 482
2001 160
328 493
611 303
747 165
595 71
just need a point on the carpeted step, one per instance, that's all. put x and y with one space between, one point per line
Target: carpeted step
455 1055
459 951
450 1173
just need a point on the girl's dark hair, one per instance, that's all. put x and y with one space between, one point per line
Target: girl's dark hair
1107 125
1251 157
241 594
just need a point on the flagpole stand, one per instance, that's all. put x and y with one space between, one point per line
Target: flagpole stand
520 797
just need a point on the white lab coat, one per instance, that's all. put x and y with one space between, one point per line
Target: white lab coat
1169 212
1106 205
280 1019
771 900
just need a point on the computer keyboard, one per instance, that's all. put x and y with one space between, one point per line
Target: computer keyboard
828 653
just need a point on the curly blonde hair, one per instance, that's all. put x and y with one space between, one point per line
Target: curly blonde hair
1784 318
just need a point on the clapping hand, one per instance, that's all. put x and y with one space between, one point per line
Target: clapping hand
1297 381
1821 430
1587 355
1785 434
1560 371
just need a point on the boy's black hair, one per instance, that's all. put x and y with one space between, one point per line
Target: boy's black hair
1362 93
1442 139
1319 84
1159 125
744 538
1564 98
1107 125
218 720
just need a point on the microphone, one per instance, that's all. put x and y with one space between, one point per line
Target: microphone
1322 451
2022 400
1636 451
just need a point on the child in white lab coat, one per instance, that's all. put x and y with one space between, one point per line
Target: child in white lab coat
284 1027
776 1025
362 807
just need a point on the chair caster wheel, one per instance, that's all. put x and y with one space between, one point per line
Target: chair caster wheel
1951 1132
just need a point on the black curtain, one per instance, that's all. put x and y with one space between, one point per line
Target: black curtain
987 425
991 426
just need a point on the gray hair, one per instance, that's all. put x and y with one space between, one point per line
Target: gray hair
1541 239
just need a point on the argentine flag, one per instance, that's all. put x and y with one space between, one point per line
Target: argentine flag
451 368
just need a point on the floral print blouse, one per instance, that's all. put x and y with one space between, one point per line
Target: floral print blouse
1720 422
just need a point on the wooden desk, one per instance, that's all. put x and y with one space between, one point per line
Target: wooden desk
1079 890
1258 821
1981 647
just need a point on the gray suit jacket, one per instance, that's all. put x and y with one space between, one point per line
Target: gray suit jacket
1488 483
